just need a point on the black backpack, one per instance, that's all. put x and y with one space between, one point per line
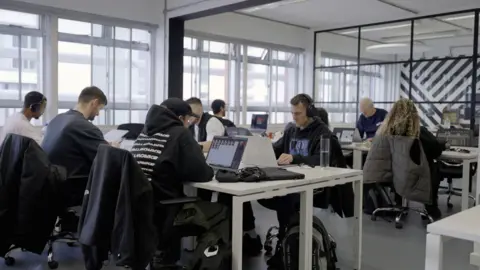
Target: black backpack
323 248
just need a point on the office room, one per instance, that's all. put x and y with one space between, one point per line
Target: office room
268 71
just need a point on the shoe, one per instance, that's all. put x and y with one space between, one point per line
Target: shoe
252 246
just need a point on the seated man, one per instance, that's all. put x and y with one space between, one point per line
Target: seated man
300 145
320 114
219 109
370 119
169 156
204 128
19 123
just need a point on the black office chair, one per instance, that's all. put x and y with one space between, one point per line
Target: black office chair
453 169
134 130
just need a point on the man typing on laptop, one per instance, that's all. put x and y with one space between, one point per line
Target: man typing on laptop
300 144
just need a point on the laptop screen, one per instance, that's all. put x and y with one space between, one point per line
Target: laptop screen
259 121
226 153
344 135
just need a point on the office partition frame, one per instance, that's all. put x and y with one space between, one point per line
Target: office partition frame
410 62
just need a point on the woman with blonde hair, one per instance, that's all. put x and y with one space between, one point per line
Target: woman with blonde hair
403 152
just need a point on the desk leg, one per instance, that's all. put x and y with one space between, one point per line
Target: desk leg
434 252
357 159
357 227
237 233
465 183
306 221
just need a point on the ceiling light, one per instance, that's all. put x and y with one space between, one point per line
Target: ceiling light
426 36
371 29
273 5
458 18
396 48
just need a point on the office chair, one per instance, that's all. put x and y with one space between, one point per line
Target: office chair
453 169
400 211
134 130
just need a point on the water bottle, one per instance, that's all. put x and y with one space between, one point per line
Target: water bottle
324 151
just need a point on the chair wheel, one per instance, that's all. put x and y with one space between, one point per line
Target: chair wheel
9 261
449 205
71 244
53 265
398 225
373 218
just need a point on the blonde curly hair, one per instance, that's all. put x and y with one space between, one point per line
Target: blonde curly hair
402 120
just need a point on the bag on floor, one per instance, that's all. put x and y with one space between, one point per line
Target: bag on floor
323 248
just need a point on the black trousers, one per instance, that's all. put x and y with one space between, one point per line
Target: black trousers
226 199
285 206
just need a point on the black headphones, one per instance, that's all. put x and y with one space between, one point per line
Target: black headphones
311 110
35 107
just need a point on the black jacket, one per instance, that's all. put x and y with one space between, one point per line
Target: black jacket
117 213
225 122
30 196
202 127
169 155
304 145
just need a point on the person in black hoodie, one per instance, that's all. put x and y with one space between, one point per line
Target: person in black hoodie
300 144
169 156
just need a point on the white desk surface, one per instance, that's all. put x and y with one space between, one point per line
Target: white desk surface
445 155
463 225
312 175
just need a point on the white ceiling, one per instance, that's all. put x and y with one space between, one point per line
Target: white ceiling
325 14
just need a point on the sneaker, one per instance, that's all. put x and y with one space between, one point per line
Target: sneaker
252 246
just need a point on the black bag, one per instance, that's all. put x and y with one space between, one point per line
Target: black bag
323 248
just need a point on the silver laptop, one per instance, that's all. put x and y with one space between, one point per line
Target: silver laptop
259 153
226 153
345 135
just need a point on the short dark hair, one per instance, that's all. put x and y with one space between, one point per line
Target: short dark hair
217 105
323 115
301 98
194 100
32 98
90 93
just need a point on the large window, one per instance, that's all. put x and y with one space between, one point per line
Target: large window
115 59
114 56
430 60
260 79
20 59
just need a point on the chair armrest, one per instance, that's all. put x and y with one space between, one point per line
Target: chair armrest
182 200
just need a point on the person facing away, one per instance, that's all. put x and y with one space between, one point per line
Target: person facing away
370 119
71 140
167 152
204 128
19 123
402 130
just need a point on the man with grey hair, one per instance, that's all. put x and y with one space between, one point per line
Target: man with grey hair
370 119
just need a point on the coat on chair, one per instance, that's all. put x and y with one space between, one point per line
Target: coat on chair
117 214
401 160
30 196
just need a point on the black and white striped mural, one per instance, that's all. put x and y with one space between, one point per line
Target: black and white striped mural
438 81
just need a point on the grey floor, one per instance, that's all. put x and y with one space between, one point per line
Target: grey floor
384 247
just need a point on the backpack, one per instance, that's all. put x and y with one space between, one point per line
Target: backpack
323 246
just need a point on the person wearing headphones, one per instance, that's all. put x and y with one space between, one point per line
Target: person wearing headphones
19 123
300 144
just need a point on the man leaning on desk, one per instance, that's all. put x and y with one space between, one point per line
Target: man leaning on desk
301 145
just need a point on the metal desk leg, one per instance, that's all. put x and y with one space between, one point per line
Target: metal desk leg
434 252
357 159
357 227
237 233
465 183
306 221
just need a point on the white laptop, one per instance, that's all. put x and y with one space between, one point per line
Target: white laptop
259 152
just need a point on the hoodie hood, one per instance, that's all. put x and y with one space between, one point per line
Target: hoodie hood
315 127
160 119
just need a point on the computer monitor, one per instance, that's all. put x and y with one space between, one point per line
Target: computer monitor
226 153
259 122
452 116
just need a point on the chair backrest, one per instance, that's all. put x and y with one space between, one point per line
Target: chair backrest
456 137
134 130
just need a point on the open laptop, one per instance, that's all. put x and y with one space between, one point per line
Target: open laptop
226 153
259 153
344 135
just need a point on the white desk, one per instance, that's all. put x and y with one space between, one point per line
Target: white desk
314 178
466 158
464 225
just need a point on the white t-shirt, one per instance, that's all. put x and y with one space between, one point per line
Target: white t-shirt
214 128
19 124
